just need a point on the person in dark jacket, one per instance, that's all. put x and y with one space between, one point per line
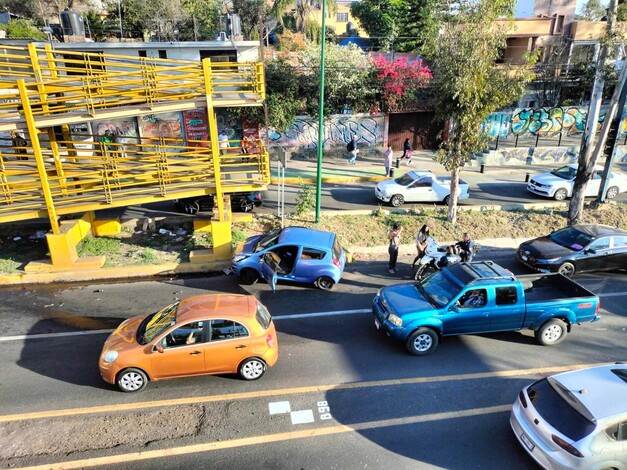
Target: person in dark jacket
407 151
466 248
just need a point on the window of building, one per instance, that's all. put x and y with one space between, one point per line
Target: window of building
163 54
341 17
559 27
142 53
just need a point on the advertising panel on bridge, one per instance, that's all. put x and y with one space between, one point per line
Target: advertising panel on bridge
196 128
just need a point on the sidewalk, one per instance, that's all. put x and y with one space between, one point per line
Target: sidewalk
336 170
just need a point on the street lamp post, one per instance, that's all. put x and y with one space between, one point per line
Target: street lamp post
120 17
321 112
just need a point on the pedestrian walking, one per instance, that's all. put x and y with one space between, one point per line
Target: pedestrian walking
389 159
106 140
395 242
352 150
19 144
407 151
223 142
421 243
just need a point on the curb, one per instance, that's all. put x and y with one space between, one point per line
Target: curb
173 269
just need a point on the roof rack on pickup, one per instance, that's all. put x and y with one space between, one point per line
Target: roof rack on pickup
477 272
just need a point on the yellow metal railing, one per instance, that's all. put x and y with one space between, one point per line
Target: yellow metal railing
72 82
112 173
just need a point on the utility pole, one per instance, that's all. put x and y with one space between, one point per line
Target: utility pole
610 146
321 112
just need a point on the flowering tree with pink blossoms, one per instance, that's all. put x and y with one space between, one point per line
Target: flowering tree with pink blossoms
401 81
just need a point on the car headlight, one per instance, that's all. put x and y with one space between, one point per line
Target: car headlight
110 356
546 260
238 258
394 320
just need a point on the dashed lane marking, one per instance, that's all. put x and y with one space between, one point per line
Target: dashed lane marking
268 438
100 332
290 391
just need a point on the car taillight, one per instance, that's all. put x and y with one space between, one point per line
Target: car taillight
523 400
269 341
258 197
336 262
566 446
596 312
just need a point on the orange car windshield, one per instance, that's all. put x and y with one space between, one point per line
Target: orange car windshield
158 322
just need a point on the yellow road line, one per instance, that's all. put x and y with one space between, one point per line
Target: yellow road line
268 438
288 391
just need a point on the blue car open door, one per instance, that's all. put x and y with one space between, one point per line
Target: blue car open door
269 267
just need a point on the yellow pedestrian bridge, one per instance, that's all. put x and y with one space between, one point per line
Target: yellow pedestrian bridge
55 162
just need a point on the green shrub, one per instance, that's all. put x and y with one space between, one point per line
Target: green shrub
306 198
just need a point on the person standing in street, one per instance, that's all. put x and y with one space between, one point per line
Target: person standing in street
395 242
421 243
389 159
352 150
407 151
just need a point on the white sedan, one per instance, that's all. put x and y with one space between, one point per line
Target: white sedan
559 183
418 186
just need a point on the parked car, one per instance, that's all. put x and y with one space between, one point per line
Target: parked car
205 334
576 249
559 183
482 297
242 202
299 254
418 186
575 420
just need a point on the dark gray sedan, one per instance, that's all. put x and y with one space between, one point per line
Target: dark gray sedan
576 249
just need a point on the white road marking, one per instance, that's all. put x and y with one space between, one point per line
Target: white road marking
277 317
302 417
279 407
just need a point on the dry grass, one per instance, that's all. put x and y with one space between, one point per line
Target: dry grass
18 246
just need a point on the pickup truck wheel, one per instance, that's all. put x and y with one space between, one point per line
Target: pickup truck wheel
552 332
397 200
612 192
421 342
567 269
560 194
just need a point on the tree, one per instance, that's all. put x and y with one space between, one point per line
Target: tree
400 82
96 27
593 11
249 11
348 79
403 25
470 85
550 80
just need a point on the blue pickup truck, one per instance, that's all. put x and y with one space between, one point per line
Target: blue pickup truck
482 297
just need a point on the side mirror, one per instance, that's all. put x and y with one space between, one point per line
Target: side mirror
159 348
591 251
454 308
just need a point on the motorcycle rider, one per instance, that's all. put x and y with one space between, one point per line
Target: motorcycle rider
449 258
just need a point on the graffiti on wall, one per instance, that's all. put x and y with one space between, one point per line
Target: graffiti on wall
534 155
497 125
339 129
570 120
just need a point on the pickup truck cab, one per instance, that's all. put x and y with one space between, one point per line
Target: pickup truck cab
482 297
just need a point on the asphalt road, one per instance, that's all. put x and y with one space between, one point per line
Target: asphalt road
502 186
364 402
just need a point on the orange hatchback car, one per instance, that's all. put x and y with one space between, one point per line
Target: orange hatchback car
205 334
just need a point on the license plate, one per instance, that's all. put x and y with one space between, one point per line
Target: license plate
523 257
527 442
376 323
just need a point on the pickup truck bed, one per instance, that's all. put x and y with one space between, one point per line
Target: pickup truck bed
547 287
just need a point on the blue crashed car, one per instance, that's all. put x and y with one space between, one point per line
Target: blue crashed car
292 254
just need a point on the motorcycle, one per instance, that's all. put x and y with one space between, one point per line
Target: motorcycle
434 259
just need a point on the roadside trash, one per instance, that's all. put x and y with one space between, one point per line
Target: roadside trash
181 232
163 231
49 305
226 271
15 239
